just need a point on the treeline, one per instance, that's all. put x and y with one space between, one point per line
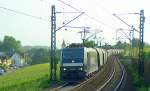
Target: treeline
32 54
37 54
40 55
10 44
132 49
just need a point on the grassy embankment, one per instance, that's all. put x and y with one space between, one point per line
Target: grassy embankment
141 83
32 78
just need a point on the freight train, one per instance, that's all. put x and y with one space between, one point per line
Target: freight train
78 63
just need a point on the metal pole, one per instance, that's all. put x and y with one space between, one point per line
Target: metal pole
130 46
141 43
53 45
100 44
133 47
53 62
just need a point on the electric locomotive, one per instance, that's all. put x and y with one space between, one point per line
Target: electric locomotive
77 63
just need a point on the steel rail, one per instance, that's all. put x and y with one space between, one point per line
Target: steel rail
59 87
122 78
109 79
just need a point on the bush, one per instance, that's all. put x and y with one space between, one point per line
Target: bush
137 80
3 66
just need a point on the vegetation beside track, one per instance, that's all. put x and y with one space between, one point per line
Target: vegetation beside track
141 83
147 53
138 81
32 78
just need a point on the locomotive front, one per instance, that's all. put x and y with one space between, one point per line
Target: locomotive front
72 64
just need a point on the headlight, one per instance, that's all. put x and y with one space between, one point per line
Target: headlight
72 61
81 68
65 69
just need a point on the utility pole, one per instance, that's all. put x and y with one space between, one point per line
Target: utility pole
132 42
141 43
83 34
99 41
94 34
53 61
141 39
53 64
131 34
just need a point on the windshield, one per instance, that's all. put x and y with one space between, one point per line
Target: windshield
72 54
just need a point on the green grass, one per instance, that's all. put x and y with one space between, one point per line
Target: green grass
32 78
147 53
135 51
147 49
138 81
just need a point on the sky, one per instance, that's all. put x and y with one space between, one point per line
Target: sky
98 16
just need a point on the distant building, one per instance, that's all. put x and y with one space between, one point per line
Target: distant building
4 59
18 60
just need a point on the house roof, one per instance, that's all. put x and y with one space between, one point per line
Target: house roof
3 55
6 55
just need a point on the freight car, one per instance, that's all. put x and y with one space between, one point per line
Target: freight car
115 51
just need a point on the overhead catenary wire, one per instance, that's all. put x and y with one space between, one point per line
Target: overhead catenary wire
125 22
25 14
123 33
114 15
91 17
70 21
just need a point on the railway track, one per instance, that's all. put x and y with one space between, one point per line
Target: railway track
65 87
116 80
123 76
59 87
110 78
106 82
99 79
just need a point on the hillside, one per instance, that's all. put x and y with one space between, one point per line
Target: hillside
32 78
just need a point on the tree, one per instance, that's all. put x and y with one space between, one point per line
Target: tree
88 43
119 45
10 43
107 46
1 43
39 56
135 42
